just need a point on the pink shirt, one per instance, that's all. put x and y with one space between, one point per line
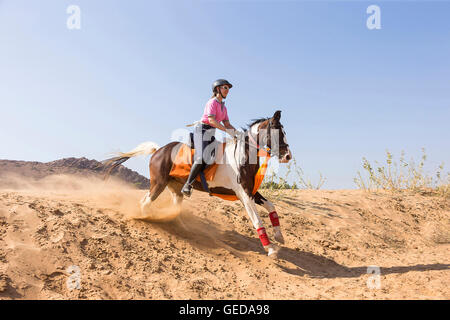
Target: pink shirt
214 108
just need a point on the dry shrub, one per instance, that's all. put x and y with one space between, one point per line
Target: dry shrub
273 184
403 176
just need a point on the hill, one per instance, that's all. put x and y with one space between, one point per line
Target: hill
33 171
51 236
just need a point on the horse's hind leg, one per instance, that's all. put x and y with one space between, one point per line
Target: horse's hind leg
160 166
175 190
156 187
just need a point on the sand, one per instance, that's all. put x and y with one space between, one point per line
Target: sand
67 237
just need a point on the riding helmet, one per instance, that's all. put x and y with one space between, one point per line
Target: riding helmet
220 82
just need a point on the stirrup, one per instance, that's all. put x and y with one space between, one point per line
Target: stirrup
187 190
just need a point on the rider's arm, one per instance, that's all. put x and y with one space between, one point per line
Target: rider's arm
228 125
213 122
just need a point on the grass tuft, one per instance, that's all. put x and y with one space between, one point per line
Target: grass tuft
404 175
273 184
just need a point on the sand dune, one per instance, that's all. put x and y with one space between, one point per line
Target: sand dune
67 237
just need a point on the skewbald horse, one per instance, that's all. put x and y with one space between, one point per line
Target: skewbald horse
233 177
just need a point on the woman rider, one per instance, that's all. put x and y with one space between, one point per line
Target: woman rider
215 112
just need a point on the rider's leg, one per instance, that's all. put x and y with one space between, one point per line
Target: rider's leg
199 144
195 170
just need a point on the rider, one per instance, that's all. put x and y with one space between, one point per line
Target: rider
214 113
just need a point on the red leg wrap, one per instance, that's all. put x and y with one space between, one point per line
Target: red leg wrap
274 219
263 236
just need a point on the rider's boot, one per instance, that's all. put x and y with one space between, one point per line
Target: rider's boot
195 170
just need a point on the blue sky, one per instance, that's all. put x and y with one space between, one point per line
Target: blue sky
138 70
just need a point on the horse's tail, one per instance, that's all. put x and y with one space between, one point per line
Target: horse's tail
144 149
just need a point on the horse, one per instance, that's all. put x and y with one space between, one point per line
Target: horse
231 178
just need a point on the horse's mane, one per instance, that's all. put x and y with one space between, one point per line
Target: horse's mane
254 121
232 141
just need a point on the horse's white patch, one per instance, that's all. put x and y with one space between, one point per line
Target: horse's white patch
254 130
250 207
284 136
268 205
227 172
223 177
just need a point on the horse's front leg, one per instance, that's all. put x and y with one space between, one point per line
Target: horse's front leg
250 207
260 200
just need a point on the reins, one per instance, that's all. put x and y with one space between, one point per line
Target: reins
266 153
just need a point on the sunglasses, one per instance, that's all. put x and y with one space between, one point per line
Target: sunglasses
225 88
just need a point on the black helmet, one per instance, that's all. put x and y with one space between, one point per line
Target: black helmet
220 82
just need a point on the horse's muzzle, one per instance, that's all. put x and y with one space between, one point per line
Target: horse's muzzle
286 158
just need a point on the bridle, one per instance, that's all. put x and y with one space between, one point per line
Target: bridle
255 144
267 152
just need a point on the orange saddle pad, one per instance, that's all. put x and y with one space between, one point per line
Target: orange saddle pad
183 163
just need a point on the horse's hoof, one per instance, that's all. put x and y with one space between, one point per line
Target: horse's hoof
273 254
273 251
144 198
279 237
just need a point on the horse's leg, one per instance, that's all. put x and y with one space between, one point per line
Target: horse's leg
175 190
260 200
156 187
250 206
159 166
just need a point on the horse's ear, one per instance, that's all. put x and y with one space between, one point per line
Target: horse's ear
277 115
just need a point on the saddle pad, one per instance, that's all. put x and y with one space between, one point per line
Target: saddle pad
183 162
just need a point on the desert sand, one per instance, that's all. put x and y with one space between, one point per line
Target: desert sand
67 237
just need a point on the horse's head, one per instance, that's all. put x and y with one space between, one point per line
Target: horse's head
277 140
272 134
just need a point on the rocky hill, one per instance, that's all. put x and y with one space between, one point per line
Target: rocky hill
72 166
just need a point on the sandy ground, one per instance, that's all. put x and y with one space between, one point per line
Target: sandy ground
73 238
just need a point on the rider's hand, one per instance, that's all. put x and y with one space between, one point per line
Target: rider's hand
238 134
